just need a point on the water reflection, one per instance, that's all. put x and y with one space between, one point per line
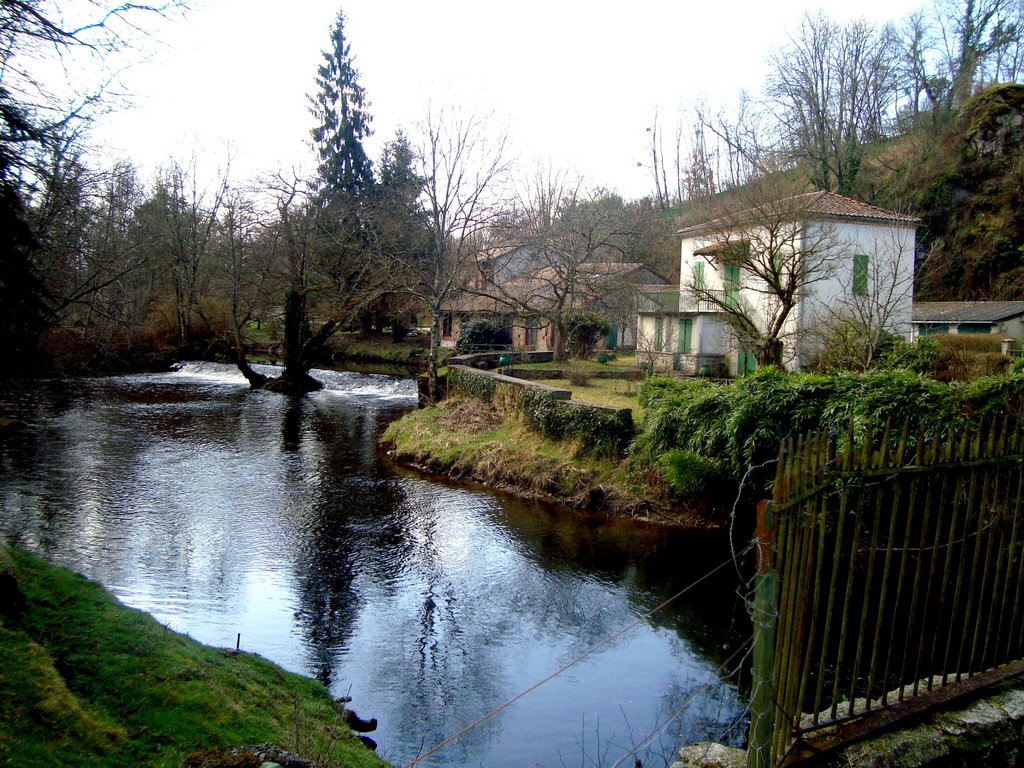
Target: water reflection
225 511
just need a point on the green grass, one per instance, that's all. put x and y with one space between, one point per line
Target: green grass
622 362
85 681
620 393
455 439
263 333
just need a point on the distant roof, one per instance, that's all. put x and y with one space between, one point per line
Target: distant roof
715 249
966 311
600 269
820 204
658 298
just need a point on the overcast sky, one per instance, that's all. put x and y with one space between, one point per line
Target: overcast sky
576 83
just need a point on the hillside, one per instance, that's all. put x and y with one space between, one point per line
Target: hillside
964 177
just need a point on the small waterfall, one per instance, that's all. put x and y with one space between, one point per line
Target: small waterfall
340 382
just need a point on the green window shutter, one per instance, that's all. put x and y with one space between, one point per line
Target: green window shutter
860 274
732 286
659 335
685 335
698 275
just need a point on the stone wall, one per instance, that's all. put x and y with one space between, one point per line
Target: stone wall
986 731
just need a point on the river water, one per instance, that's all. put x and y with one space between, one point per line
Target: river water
223 511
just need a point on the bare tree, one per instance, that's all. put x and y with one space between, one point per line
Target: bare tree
325 285
54 38
188 214
835 89
743 147
664 196
462 165
975 33
573 262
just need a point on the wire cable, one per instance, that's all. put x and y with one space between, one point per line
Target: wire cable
607 641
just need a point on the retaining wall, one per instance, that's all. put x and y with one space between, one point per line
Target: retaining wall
596 429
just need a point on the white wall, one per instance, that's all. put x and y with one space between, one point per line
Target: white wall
889 299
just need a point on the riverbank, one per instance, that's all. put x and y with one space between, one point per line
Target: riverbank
88 682
468 439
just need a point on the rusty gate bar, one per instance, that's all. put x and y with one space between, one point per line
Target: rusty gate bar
891 566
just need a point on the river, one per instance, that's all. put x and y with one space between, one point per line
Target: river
224 511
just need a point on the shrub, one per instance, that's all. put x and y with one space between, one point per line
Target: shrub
1017 367
969 342
688 474
584 330
481 333
577 376
740 424
918 357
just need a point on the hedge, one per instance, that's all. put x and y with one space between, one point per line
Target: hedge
740 424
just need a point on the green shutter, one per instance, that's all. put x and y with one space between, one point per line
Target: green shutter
659 336
698 276
685 334
732 286
860 274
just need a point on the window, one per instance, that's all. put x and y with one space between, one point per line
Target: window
446 325
860 274
531 335
685 335
698 276
732 286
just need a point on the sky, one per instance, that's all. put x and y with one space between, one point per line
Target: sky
574 84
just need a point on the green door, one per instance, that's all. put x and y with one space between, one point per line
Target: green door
746 363
686 335
612 340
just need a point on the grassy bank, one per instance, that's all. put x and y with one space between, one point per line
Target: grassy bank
86 681
468 439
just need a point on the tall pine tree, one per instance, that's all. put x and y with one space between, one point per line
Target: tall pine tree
343 122
328 263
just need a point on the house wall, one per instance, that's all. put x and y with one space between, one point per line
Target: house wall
887 302
1012 328
706 343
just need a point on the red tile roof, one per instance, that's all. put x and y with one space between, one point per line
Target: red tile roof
826 205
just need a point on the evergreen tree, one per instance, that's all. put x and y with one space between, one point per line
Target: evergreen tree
340 109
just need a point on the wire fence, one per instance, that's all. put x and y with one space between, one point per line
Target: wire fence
890 569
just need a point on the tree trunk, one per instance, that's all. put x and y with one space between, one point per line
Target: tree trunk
769 352
295 378
559 341
435 345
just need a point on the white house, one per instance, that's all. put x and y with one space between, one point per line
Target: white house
769 279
